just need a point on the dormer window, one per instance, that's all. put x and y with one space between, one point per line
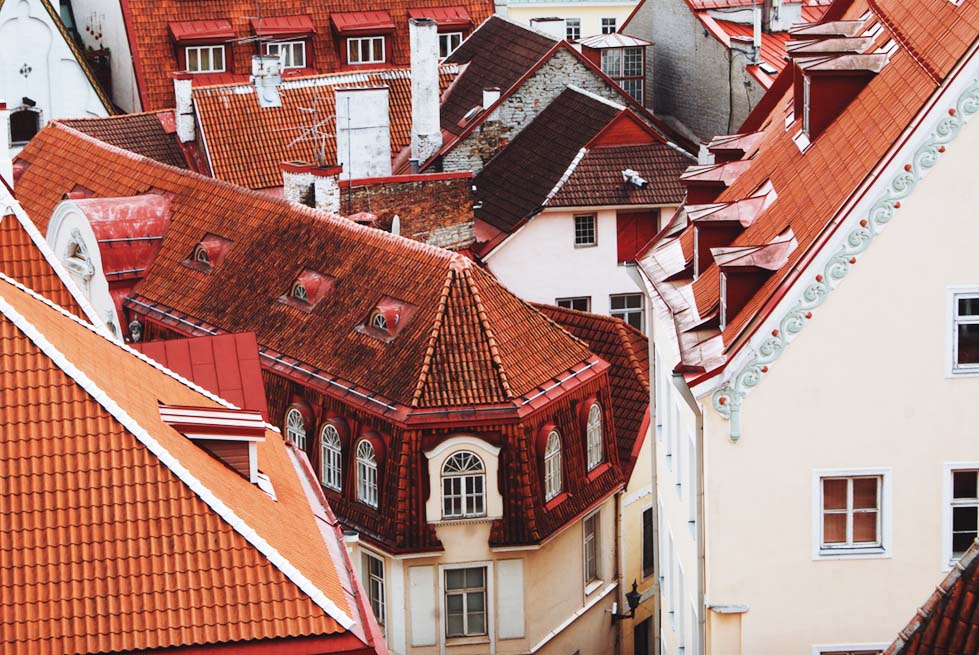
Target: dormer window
364 35
299 291
291 54
296 428
201 256
205 58
379 321
366 50
463 486
552 466
593 432
208 254
201 44
307 289
386 319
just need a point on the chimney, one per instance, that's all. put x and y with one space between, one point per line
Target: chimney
184 106
363 132
426 130
756 12
490 96
312 185
556 28
6 164
501 8
266 77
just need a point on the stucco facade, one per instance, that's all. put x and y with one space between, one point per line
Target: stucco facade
101 25
590 13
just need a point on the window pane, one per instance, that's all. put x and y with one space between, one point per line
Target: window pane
454 625
218 54
453 603
455 579
865 493
834 493
968 306
961 542
633 62
618 302
192 62
968 343
378 49
964 484
475 601
477 623
964 519
474 578
834 528
865 527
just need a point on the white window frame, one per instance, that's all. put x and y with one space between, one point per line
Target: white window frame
360 39
211 50
488 603
950 467
612 22
465 496
628 311
367 483
822 649
593 436
331 458
681 596
569 27
592 578
952 295
570 300
290 46
369 579
445 39
292 428
553 478
885 549
594 226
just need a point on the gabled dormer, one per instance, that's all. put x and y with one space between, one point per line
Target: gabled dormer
208 254
744 269
231 436
732 147
705 183
719 225
307 290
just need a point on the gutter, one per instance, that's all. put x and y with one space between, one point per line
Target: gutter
688 397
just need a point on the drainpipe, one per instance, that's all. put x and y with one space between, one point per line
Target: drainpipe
698 413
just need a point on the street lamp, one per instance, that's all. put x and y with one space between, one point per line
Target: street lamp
633 599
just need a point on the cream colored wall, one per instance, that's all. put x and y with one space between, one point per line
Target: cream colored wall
862 386
591 14
637 497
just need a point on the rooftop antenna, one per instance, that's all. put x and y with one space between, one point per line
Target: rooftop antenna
316 131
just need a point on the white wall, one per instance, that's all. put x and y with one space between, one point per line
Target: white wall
108 15
540 262
37 63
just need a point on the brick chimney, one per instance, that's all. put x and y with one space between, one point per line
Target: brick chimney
426 130
6 165
184 106
312 185
363 132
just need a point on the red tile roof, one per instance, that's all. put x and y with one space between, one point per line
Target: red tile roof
947 624
469 341
445 17
627 350
94 477
812 186
246 142
155 55
144 134
227 365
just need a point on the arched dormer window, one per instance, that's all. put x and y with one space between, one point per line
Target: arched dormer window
307 289
299 291
24 124
201 256
463 486
593 432
208 253
366 473
379 321
553 482
296 427
386 319
331 458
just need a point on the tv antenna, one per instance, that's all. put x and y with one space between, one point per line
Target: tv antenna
316 132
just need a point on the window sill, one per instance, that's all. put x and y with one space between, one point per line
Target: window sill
557 500
596 472
464 520
852 553
593 586
586 245
962 373
467 641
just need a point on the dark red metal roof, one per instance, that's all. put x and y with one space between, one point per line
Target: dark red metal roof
362 22
201 31
280 26
445 17
226 365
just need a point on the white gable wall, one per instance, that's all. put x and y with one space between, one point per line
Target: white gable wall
108 17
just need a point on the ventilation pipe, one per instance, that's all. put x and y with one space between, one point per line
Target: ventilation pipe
183 86
6 165
756 12
426 130
363 132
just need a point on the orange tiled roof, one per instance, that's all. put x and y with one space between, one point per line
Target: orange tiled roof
145 134
120 534
155 55
246 142
468 340
811 186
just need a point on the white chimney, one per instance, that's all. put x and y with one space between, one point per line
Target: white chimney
501 8
426 130
363 132
266 77
183 86
556 28
6 165
490 96
312 185
756 34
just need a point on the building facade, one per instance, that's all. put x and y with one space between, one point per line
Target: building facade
582 18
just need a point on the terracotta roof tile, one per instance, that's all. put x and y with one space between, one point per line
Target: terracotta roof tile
246 142
83 565
143 134
155 55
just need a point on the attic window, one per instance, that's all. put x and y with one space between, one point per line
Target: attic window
387 319
231 436
299 291
307 289
208 253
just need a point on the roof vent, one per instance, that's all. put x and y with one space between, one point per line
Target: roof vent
208 254
307 290
825 86
744 269
231 436
705 183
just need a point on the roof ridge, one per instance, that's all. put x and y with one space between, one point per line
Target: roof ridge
433 336
568 172
484 321
258 542
595 96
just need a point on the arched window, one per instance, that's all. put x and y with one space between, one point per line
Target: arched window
463 486
552 466
201 255
299 291
296 428
24 124
330 458
593 430
366 473
378 321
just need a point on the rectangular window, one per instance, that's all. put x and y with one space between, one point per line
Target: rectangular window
584 231
647 542
612 62
608 26
373 578
633 88
628 307
964 314
805 104
573 28
448 42
465 602
365 50
591 528
961 516
681 628
632 62
462 496
580 303
292 54
205 58
851 511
